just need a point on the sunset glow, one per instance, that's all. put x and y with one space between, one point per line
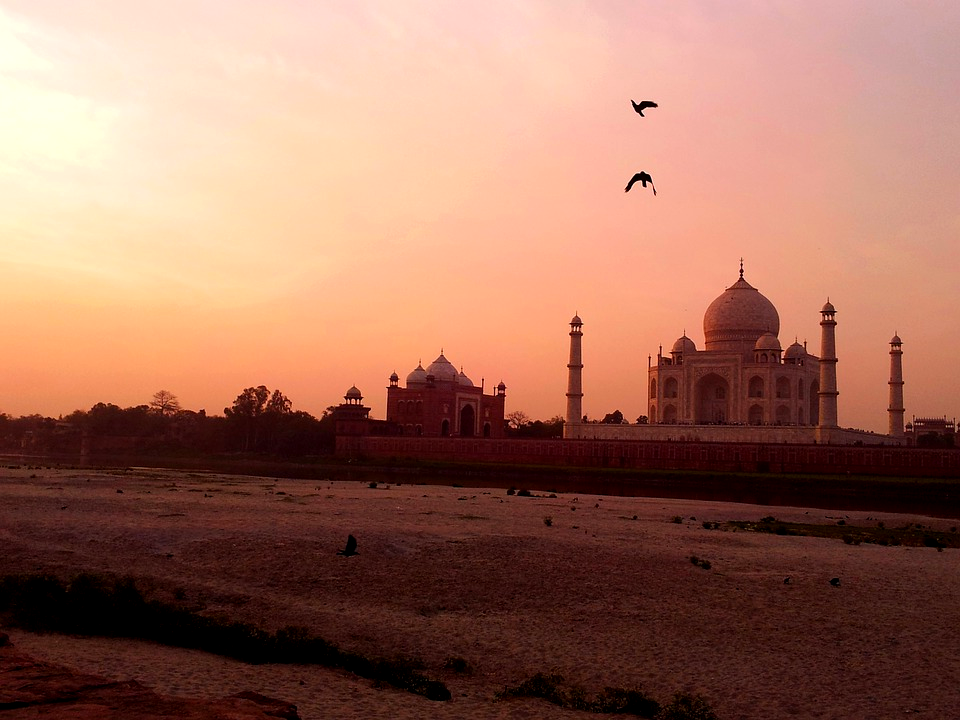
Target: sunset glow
202 196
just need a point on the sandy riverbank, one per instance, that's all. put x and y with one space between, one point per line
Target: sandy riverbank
605 594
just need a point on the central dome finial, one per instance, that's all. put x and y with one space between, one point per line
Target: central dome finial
741 268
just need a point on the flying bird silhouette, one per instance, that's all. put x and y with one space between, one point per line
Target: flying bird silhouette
643 105
643 178
350 549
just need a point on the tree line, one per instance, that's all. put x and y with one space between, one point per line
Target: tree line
258 421
519 424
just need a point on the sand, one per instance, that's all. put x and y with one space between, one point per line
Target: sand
605 595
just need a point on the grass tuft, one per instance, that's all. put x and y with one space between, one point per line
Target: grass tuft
107 606
909 535
611 700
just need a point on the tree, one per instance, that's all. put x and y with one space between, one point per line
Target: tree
642 420
552 428
165 403
246 411
614 418
517 419
249 404
278 403
262 421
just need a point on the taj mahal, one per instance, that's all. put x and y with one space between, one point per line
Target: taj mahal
742 386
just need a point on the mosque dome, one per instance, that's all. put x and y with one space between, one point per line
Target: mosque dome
767 341
462 379
394 377
418 375
353 394
441 369
684 345
738 317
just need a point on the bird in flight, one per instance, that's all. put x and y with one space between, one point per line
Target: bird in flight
350 549
642 105
643 178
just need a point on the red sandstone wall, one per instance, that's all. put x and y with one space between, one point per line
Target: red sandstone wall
745 457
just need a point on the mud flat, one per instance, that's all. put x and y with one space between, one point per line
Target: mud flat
600 589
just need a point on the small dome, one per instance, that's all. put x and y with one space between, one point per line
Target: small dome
576 320
394 377
829 308
353 394
684 345
501 386
417 376
794 352
441 369
896 340
767 341
462 379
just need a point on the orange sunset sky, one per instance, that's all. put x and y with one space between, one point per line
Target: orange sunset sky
201 196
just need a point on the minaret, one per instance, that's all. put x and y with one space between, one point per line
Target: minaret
574 378
896 388
828 371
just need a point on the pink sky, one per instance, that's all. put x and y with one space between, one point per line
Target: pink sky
204 196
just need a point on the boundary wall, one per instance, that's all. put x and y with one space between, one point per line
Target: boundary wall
759 434
665 455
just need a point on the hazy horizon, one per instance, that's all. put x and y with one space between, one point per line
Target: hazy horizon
203 196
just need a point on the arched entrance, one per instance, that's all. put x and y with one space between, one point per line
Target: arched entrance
467 421
712 400
671 388
670 414
445 428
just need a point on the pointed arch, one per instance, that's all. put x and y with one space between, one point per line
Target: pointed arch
711 399
671 388
467 421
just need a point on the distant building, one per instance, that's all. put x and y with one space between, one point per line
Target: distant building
742 386
932 432
352 417
439 401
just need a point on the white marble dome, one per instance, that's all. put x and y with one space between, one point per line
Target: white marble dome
441 369
739 316
684 345
795 352
767 341
417 375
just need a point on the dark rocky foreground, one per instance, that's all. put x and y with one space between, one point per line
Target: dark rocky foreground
29 688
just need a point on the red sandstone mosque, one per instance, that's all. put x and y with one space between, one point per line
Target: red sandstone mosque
436 401
440 402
